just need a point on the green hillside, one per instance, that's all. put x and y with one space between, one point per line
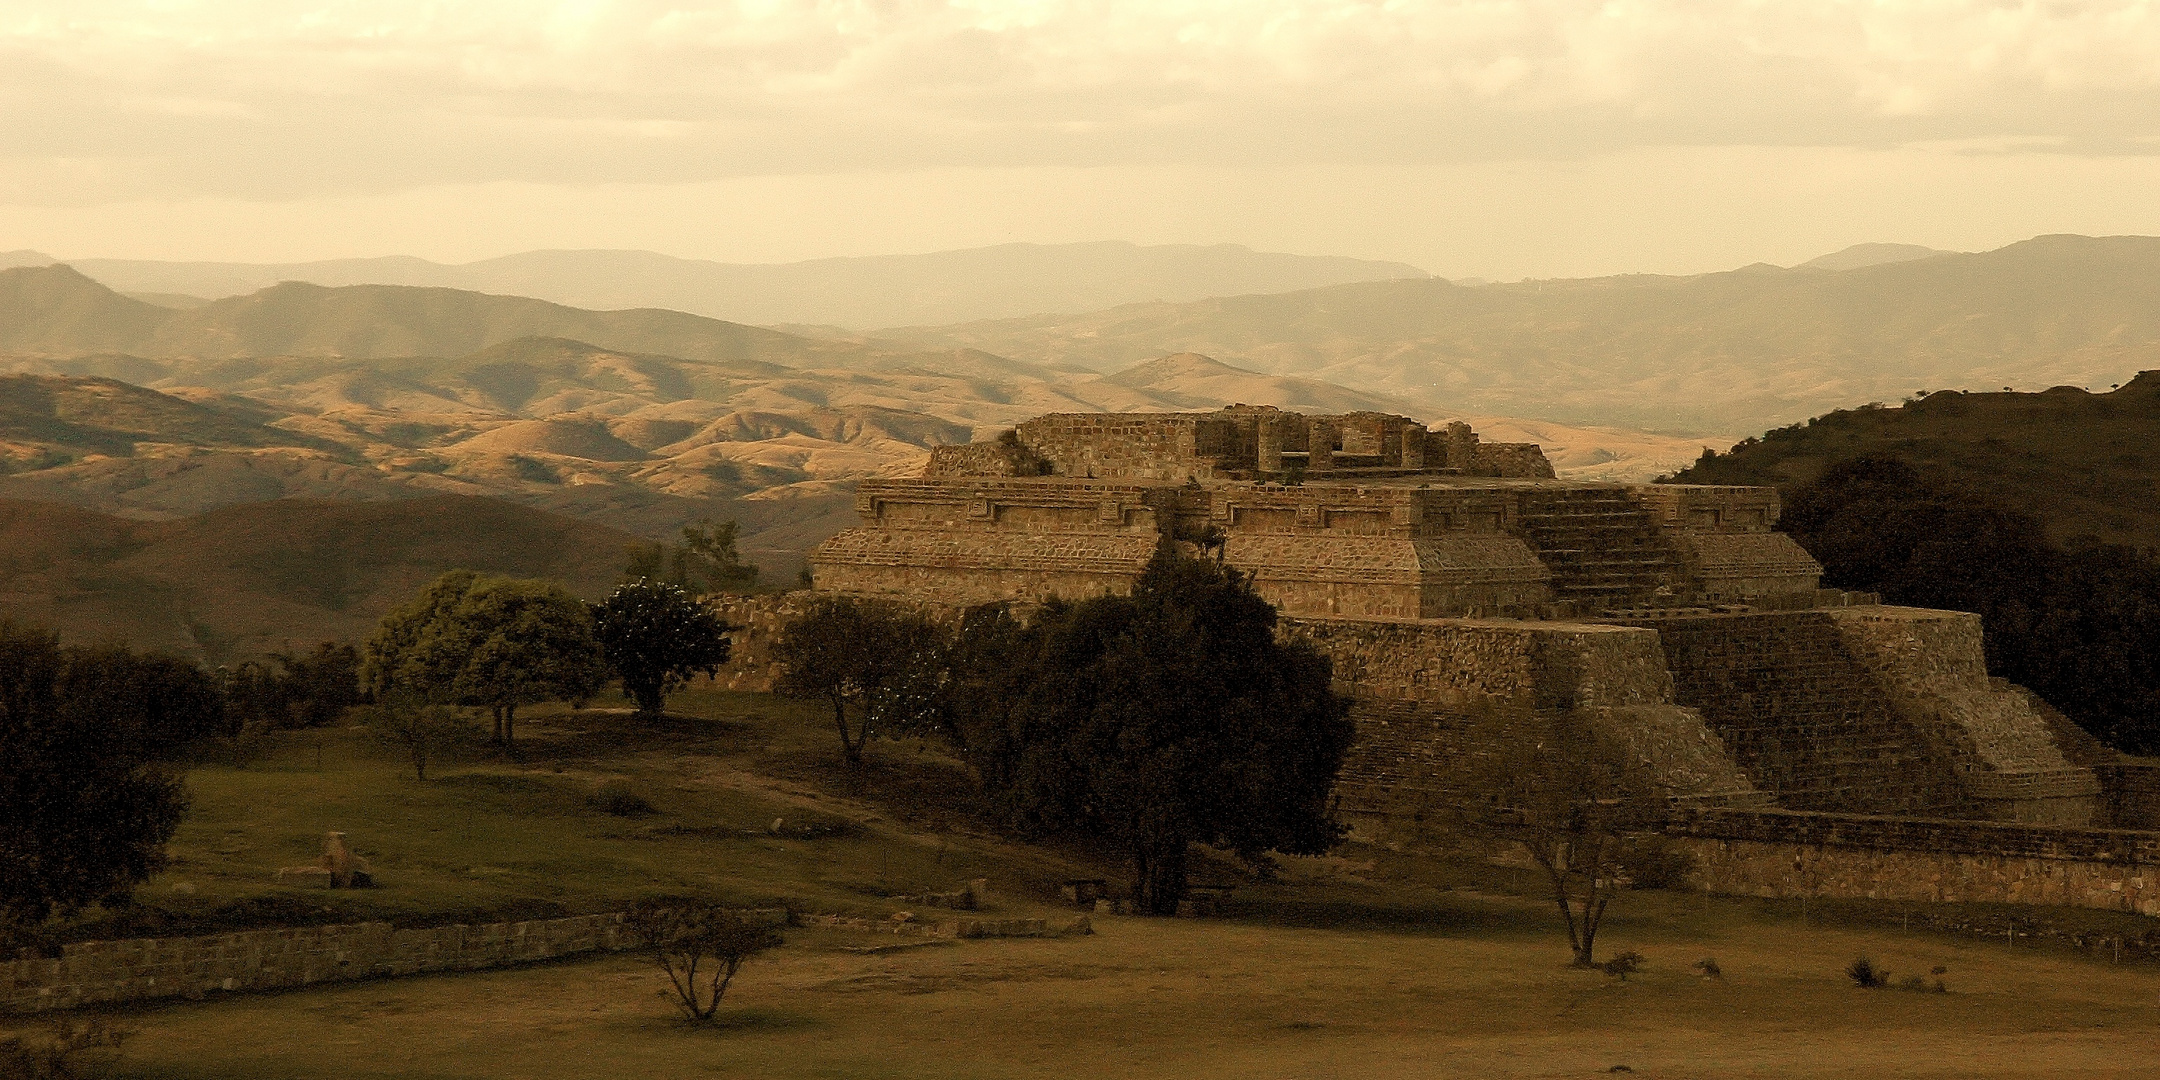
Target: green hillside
1737 351
2082 463
258 577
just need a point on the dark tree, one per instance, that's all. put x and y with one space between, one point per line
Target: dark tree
322 683
2080 627
82 818
420 729
1154 721
703 560
853 656
700 945
493 642
159 704
1568 798
655 636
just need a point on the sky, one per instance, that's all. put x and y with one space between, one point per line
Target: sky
1489 138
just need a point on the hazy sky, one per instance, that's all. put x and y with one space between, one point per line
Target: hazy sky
1499 138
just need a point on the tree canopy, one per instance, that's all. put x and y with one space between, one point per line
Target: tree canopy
703 560
493 642
1156 720
853 656
2079 626
83 818
655 635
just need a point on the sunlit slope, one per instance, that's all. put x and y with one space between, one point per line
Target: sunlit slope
1744 350
251 578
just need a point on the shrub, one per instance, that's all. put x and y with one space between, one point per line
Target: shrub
619 798
1658 864
1863 972
62 1050
700 945
1622 965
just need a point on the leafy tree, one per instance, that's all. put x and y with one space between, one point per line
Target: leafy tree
293 689
853 656
1568 798
655 636
2080 627
1158 720
702 560
404 651
418 727
321 683
700 945
158 704
492 642
82 818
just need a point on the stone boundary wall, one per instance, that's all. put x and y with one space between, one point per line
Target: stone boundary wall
1779 853
103 972
148 969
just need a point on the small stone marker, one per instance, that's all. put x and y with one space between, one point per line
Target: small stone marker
338 868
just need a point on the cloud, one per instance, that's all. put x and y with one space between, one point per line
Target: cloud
102 99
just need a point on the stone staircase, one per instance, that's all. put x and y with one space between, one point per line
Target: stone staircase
1804 717
1603 550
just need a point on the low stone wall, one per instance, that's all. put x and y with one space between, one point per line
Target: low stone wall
104 972
1780 853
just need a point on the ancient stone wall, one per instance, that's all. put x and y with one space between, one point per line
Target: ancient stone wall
1805 716
101 972
1519 460
1933 668
984 459
1439 704
1786 854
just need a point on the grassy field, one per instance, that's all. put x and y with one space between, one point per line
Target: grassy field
1368 963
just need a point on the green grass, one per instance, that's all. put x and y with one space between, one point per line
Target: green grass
486 836
1368 962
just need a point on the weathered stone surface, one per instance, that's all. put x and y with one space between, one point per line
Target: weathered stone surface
1779 853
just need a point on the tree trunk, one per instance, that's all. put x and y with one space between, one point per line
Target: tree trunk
649 700
1554 861
1159 875
509 727
850 749
498 734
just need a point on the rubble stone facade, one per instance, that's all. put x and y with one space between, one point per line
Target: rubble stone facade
1455 582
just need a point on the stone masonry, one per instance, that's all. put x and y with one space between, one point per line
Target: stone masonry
1454 581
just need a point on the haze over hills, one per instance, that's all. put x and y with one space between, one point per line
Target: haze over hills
55 310
946 286
1742 350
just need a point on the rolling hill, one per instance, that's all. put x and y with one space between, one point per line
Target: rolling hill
254 578
57 311
945 286
2082 463
1744 350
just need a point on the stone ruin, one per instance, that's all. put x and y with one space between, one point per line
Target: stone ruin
1452 579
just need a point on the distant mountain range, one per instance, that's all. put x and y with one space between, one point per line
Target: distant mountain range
1743 350
892 290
